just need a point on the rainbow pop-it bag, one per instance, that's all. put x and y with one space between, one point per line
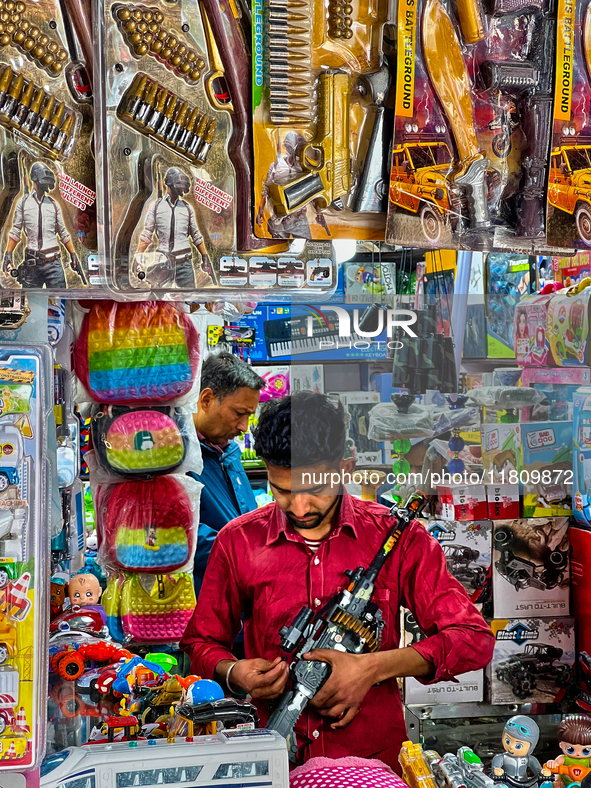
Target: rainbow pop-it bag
137 353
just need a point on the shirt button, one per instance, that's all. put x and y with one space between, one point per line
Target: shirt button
316 734
317 602
317 561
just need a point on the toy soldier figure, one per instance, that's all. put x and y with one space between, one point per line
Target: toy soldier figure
40 216
173 222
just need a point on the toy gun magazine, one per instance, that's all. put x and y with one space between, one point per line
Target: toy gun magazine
350 622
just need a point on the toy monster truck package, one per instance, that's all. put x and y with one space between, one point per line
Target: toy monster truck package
531 567
172 129
26 389
532 660
323 118
569 197
48 236
472 126
467 549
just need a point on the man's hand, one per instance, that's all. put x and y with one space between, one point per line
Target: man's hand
260 215
7 264
351 679
261 678
206 265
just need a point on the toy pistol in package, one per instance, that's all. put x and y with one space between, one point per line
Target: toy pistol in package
48 233
569 193
322 84
472 128
175 194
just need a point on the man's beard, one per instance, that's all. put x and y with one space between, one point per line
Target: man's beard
306 525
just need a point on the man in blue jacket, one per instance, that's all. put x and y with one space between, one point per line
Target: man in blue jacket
230 391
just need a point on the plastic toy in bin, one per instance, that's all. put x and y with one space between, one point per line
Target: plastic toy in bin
517 767
574 762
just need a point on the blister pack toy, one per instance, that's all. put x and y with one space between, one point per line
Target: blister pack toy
323 116
48 232
472 131
25 403
142 352
173 110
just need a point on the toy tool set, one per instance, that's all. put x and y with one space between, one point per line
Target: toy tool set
172 130
322 84
472 129
47 201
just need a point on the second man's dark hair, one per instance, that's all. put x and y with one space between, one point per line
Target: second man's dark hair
300 430
224 374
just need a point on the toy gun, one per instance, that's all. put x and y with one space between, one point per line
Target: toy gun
350 622
327 159
75 266
416 765
320 273
463 770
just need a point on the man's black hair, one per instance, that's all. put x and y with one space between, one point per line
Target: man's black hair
300 430
224 374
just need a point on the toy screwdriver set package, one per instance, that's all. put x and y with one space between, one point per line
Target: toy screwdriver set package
175 194
25 403
472 129
48 235
569 198
323 115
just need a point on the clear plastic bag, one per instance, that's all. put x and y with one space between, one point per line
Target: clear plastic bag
387 423
505 397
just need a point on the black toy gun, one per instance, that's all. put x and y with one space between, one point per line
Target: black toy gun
350 622
75 266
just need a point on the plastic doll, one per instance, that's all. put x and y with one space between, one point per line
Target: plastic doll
58 593
574 737
85 591
517 766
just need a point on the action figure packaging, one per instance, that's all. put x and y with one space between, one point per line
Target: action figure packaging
547 468
175 191
467 548
569 198
25 481
48 231
532 660
472 125
323 118
531 567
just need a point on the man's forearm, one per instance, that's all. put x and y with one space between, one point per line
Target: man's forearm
399 663
221 670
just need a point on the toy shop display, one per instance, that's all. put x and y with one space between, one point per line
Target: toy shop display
547 468
568 326
472 128
532 660
175 191
509 279
531 567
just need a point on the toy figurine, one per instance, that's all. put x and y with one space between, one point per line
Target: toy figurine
85 591
58 593
517 767
574 736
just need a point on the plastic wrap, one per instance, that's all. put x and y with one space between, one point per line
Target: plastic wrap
387 423
505 397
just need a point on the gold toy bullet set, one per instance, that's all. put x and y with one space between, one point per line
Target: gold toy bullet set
340 21
155 111
26 107
17 30
143 31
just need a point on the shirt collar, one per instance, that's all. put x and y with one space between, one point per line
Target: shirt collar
279 524
218 447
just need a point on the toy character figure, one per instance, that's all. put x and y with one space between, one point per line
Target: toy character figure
40 217
574 736
504 462
283 170
173 222
85 590
517 767
522 332
58 593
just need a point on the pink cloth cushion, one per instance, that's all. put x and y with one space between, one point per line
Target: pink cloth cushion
344 773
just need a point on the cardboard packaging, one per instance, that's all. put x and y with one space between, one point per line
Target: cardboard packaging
559 386
531 567
567 327
502 457
532 660
469 688
462 502
357 405
547 468
582 457
509 278
467 547
580 541
532 348
502 501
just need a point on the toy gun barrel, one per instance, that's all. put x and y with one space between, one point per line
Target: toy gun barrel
404 516
78 269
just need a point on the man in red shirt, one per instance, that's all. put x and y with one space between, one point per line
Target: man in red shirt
267 564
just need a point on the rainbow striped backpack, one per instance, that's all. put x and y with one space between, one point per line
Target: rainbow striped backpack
136 353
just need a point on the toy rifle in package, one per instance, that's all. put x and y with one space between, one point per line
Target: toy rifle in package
350 622
175 197
472 128
48 235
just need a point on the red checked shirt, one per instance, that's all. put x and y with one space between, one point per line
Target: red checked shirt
261 567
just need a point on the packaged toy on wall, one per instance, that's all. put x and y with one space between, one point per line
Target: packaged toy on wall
48 234
571 270
175 199
532 659
568 326
502 455
467 547
509 279
569 201
531 570
581 491
472 129
26 388
531 345
547 468
558 387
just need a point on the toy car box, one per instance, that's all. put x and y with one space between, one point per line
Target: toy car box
567 327
502 458
467 549
531 345
467 688
503 501
532 660
531 567
547 468
582 457
462 502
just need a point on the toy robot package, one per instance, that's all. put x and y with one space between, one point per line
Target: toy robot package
175 196
531 569
532 660
48 232
322 81
25 385
569 198
547 468
472 129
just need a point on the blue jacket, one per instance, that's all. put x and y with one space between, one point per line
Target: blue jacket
226 494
